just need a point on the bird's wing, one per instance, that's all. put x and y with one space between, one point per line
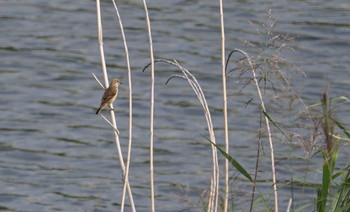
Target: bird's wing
108 94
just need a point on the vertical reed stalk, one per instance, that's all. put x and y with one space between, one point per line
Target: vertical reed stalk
105 75
100 43
214 186
126 171
256 168
267 126
223 60
151 106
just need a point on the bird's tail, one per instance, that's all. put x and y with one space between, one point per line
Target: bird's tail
98 110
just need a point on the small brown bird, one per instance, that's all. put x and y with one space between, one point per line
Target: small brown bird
109 95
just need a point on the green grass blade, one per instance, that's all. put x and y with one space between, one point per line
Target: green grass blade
304 207
234 163
336 99
341 127
326 180
340 172
342 201
274 123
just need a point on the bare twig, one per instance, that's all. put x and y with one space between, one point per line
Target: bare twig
98 81
114 127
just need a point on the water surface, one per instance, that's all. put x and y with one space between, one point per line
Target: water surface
57 155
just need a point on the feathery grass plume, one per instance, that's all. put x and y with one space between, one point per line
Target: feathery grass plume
263 108
270 73
268 61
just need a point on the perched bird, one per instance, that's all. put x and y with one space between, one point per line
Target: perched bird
109 95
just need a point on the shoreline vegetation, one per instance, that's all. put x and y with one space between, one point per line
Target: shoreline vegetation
270 73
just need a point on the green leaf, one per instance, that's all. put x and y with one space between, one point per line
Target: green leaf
336 99
326 182
274 123
341 127
234 163
340 172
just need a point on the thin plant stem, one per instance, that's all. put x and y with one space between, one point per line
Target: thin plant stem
213 196
98 80
114 127
223 60
267 126
312 136
214 187
256 168
151 107
126 172
105 75
289 205
100 43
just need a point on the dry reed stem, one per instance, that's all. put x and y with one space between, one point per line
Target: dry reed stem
223 60
214 187
289 206
105 75
126 173
151 134
267 125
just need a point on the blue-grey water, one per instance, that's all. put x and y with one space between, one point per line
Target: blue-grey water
57 155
